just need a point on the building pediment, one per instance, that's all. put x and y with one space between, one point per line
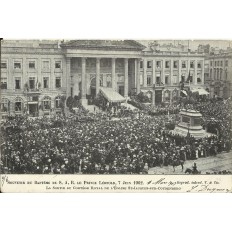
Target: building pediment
118 45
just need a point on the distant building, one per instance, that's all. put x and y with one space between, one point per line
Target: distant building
220 74
36 74
162 70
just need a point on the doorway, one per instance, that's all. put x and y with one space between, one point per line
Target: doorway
33 109
158 97
121 90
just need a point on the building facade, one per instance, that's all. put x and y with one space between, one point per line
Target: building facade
161 73
36 74
220 74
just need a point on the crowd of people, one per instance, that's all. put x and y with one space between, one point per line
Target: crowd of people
92 143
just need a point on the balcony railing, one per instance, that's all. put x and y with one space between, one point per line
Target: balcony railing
33 90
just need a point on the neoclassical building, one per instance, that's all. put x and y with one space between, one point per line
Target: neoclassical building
161 72
220 74
36 74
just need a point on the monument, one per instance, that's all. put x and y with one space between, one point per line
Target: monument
190 124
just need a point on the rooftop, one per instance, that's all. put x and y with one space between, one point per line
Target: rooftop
104 44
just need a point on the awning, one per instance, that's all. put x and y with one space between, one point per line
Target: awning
111 95
184 92
200 91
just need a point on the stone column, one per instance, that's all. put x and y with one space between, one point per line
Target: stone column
138 76
153 96
179 71
114 86
125 77
202 73
83 79
163 72
195 73
144 73
153 72
171 73
98 60
68 77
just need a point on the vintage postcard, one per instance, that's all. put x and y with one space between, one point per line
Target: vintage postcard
116 116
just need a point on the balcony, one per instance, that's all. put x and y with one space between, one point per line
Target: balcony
33 91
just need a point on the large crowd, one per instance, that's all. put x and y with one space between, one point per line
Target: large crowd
92 143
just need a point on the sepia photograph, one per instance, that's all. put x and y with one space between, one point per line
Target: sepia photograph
116 107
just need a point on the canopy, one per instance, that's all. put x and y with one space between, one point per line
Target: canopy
111 95
200 91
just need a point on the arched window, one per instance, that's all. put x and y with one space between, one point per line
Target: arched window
5 105
166 95
57 102
18 104
175 95
46 103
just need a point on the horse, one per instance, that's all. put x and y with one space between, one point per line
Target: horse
177 162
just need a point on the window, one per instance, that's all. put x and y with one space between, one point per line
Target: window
221 63
58 82
17 83
18 104
32 64
211 63
58 64
108 83
3 65
166 79
101 82
5 105
175 64
141 64
149 64
167 64
45 64
3 83
167 95
198 78
158 64
46 103
174 79
57 102
226 63
17 65
141 78
182 78
183 64
157 79
191 64
149 82
45 82
220 74
199 65
215 63
225 75
32 83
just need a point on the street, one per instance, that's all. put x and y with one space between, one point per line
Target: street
210 164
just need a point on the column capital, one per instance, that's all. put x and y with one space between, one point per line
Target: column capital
68 59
